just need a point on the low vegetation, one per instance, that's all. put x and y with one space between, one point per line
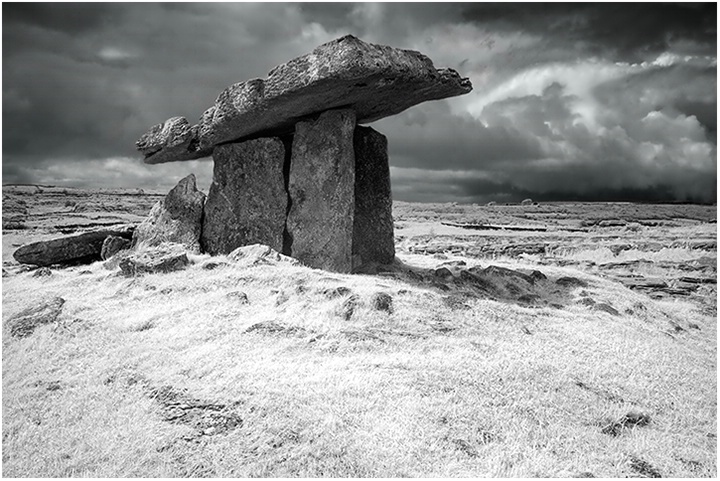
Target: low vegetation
262 367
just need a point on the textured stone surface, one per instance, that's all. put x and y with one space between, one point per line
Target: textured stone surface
177 218
373 236
75 249
174 139
24 323
112 245
161 259
247 202
321 187
374 80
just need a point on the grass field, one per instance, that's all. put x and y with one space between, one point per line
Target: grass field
179 375
264 367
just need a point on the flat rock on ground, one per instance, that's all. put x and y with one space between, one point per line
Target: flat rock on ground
162 259
80 248
24 323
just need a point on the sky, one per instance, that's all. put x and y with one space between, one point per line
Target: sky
570 102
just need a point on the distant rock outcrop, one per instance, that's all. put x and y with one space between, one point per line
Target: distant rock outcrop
176 219
75 249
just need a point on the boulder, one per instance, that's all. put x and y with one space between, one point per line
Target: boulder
376 81
171 140
373 235
175 219
321 188
112 245
76 249
24 323
247 202
161 259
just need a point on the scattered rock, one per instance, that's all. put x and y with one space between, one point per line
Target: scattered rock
526 202
587 301
334 292
465 447
154 260
42 272
24 323
615 427
272 327
239 296
456 302
644 468
381 301
321 187
348 306
443 273
247 203
538 276
604 307
175 219
571 282
112 245
77 249
258 254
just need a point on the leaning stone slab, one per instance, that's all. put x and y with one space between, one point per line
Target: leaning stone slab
174 139
77 249
161 259
373 234
321 187
177 218
375 81
24 323
247 202
112 245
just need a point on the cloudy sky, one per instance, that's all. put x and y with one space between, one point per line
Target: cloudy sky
570 101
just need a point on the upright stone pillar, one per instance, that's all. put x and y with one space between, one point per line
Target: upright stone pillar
247 202
321 188
373 235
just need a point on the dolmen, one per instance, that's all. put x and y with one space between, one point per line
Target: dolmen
294 168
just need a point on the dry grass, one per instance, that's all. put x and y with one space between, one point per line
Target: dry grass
481 388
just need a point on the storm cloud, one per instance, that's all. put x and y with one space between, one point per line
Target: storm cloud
570 101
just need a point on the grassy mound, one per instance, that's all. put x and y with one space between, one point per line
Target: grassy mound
262 367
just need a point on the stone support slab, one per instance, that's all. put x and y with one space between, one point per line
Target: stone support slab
322 191
247 202
373 234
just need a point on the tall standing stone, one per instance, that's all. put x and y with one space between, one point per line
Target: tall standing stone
373 236
176 219
247 203
322 191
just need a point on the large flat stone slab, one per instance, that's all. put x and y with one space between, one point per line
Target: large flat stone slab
176 219
376 81
373 233
321 187
76 249
247 202
172 140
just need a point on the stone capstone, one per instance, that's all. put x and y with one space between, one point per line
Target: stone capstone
373 234
176 219
76 249
247 202
321 187
174 139
375 81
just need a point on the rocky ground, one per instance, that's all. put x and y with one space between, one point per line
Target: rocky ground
538 340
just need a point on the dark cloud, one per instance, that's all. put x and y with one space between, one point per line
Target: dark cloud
624 31
571 101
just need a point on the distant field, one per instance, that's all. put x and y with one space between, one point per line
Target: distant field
586 348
